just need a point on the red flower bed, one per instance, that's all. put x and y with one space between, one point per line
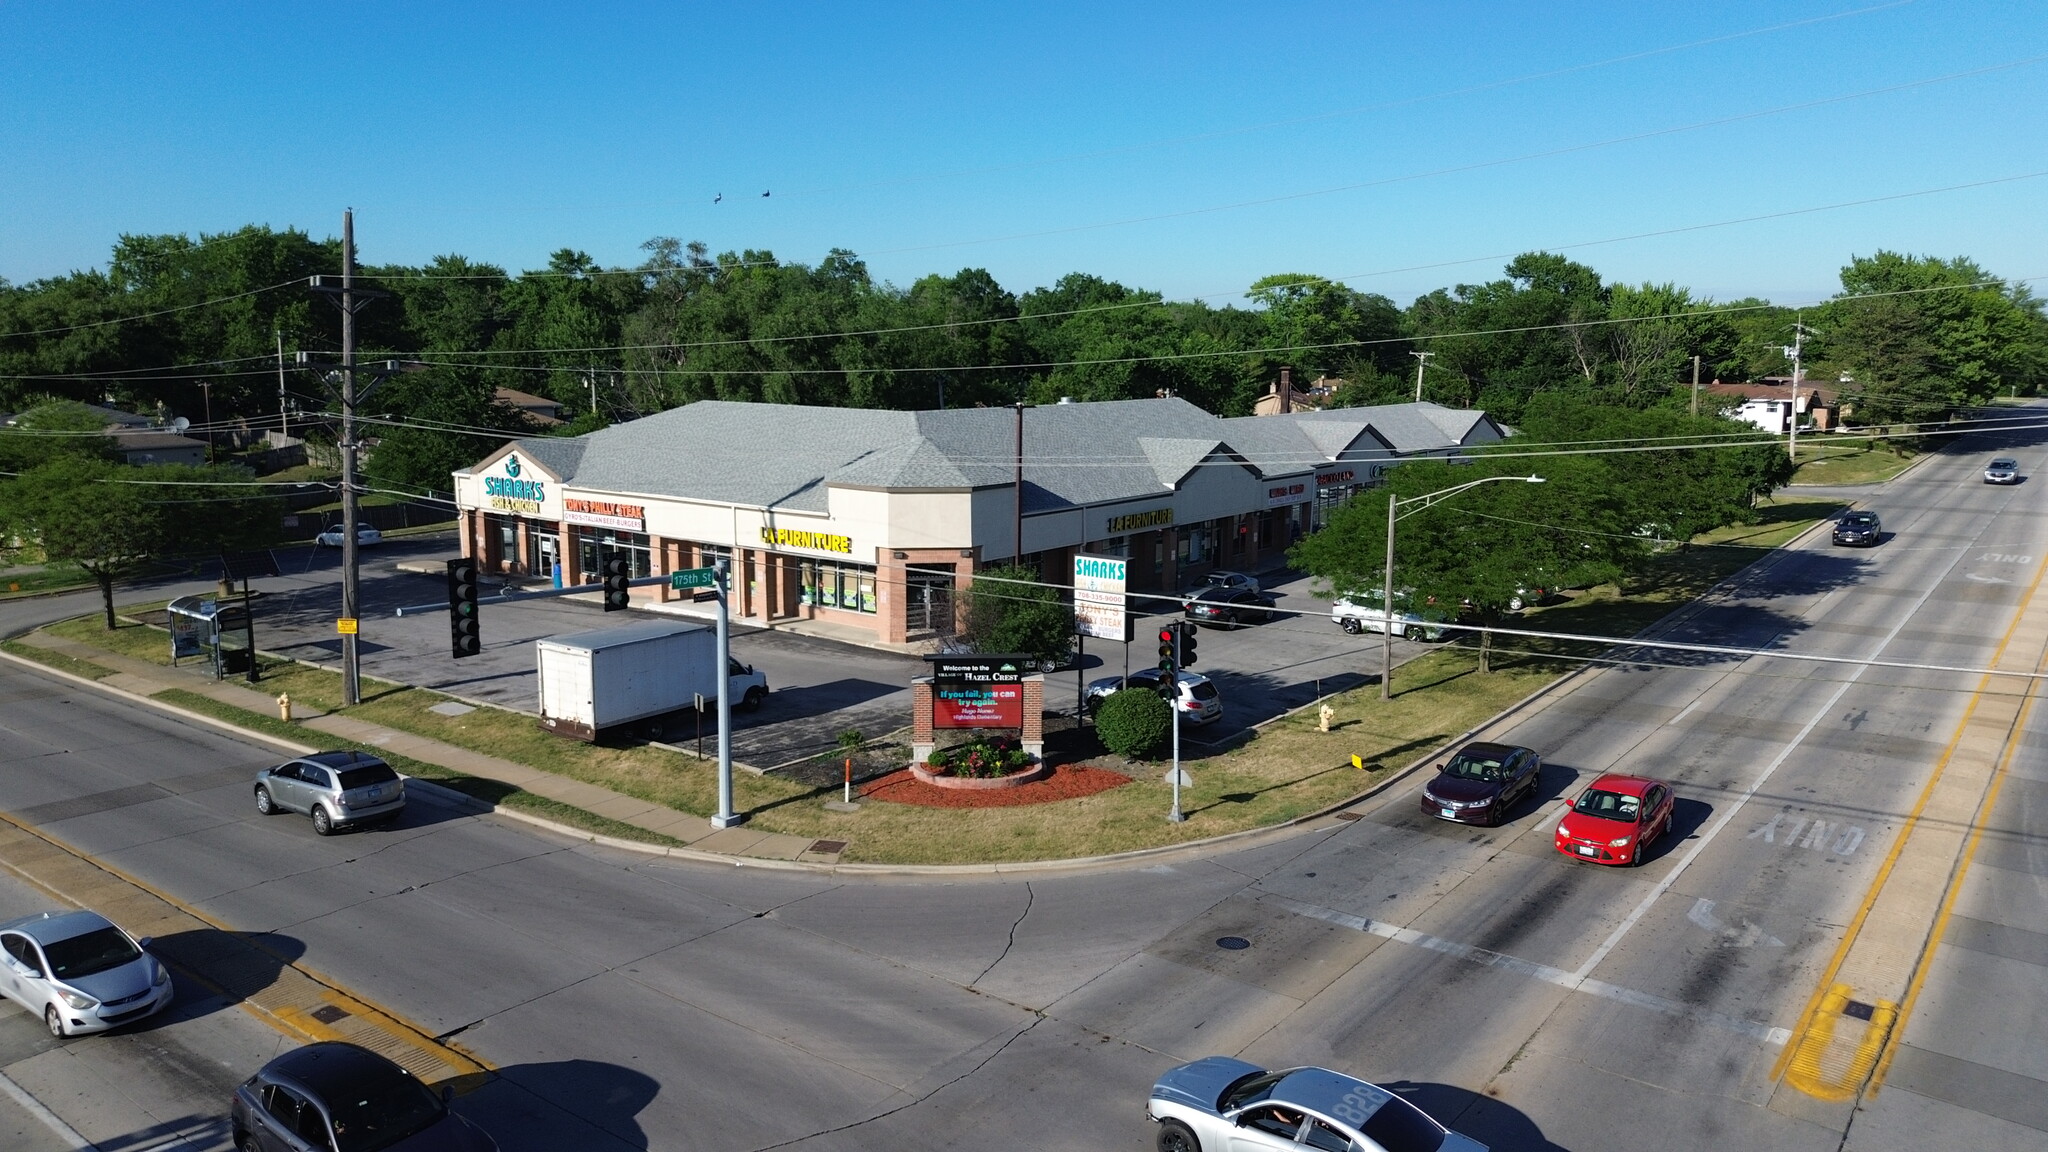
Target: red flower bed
1067 782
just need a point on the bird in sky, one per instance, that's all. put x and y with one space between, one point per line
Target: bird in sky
717 198
764 194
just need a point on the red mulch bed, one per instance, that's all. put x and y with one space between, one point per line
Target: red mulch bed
1067 782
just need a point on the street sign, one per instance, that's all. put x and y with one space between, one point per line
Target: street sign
683 578
345 625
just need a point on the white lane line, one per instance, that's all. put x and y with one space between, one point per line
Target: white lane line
1614 938
1688 711
1534 971
50 1120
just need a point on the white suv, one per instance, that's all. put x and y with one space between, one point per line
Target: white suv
1356 618
1199 702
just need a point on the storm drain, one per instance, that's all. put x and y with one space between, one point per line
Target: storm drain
1859 1009
1233 943
828 847
328 1013
1350 816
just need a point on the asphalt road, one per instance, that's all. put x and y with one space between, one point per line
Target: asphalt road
1533 1002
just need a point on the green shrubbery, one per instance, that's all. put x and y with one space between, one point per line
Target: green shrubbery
1134 722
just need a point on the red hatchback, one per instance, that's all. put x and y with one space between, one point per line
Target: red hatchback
1616 820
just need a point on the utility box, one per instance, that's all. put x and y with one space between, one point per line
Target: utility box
591 682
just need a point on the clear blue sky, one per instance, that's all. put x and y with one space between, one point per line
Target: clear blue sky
1036 139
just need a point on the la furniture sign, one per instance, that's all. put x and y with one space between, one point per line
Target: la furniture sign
1099 610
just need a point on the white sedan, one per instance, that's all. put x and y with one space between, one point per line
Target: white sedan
1219 1104
365 536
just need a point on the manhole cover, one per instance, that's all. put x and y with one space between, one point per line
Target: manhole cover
328 1013
1858 1009
1233 943
828 847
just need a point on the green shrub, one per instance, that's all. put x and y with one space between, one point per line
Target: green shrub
1135 723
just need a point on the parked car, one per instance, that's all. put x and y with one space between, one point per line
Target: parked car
339 1097
1227 607
1481 782
1862 529
1357 618
1224 579
1221 1104
2004 470
334 534
79 972
1616 820
1199 701
337 789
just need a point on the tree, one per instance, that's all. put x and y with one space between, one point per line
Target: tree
112 520
1008 610
1921 336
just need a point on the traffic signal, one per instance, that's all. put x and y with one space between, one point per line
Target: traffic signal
1169 668
616 592
1188 632
462 621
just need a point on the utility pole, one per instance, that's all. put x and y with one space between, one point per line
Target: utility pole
1798 354
284 415
1018 517
350 299
725 817
1695 385
1421 360
206 390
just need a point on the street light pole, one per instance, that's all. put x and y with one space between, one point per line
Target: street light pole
1387 581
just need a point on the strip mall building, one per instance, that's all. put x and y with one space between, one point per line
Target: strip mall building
874 518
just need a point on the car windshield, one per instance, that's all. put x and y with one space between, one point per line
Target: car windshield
1221 579
1248 1089
1860 520
364 775
1399 1126
380 1114
2002 463
1469 767
1608 805
96 951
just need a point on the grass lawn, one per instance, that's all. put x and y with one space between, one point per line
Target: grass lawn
44 578
1284 770
1851 462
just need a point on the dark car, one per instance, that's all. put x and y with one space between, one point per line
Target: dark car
1862 529
1481 783
337 1096
1226 607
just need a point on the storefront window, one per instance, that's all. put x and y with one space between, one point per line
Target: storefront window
595 546
848 587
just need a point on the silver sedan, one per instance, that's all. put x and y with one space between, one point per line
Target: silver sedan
79 972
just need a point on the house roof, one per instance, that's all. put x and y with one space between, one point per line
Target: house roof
787 456
149 440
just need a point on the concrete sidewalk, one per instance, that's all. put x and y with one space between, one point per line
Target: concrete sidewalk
143 678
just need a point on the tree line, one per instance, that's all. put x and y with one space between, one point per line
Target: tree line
1918 336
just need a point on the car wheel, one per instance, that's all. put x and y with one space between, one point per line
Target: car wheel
323 824
1175 1136
265 806
751 702
1641 853
1351 625
246 1143
54 1022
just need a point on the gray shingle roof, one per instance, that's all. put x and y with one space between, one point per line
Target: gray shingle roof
787 456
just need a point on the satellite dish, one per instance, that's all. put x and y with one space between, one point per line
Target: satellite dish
180 424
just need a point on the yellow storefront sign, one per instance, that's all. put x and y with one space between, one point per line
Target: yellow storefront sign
814 541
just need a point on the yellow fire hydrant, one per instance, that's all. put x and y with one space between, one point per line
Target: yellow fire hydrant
284 706
1324 716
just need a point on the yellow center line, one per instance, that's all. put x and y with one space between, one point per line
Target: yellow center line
1925 962
1815 1029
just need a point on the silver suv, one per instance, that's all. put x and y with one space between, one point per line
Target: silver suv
336 788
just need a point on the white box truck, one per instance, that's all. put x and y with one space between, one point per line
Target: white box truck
593 681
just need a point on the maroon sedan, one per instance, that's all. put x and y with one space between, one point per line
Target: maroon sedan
1481 783
1616 820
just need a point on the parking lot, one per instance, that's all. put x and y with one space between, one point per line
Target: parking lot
819 688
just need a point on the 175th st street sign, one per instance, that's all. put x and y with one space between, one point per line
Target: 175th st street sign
683 578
